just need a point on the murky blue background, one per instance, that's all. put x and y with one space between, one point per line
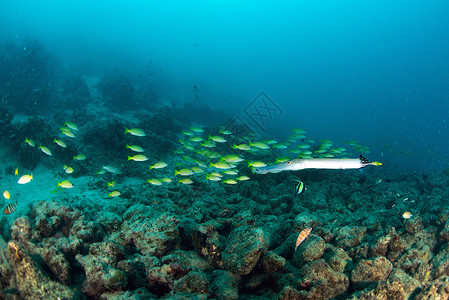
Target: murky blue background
373 71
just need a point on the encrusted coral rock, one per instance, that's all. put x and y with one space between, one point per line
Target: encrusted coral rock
194 282
206 239
321 281
438 290
311 249
349 236
31 282
225 285
371 270
271 262
102 273
57 263
414 225
152 236
21 229
87 231
52 218
398 286
338 259
244 247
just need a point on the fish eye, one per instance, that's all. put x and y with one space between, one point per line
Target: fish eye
289 162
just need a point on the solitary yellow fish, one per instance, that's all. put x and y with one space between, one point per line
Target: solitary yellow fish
114 194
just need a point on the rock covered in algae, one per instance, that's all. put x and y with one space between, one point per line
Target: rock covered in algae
309 250
371 270
338 259
398 285
100 266
349 236
31 282
272 262
243 249
153 236
319 281
225 285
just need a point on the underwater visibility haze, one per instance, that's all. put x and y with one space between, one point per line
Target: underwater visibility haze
224 150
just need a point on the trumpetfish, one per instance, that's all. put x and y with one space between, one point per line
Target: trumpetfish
318 163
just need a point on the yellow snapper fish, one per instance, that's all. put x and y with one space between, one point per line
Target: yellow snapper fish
154 181
197 170
66 131
243 147
80 157
71 125
45 150
135 148
233 158
230 172
166 180
213 177
230 181
67 169
196 139
114 194
159 165
242 178
112 183
217 139
60 143
257 164
135 131
208 144
259 145
30 142
185 181
184 172
221 165
197 129
226 132
65 184
25 179
138 157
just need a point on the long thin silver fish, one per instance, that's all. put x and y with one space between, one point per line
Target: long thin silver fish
317 163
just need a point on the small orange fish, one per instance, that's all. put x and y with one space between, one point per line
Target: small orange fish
302 236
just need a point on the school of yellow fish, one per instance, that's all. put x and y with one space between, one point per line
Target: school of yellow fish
218 157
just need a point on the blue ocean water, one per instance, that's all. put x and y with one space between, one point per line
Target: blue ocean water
134 137
375 72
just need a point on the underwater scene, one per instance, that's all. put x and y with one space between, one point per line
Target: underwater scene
224 150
